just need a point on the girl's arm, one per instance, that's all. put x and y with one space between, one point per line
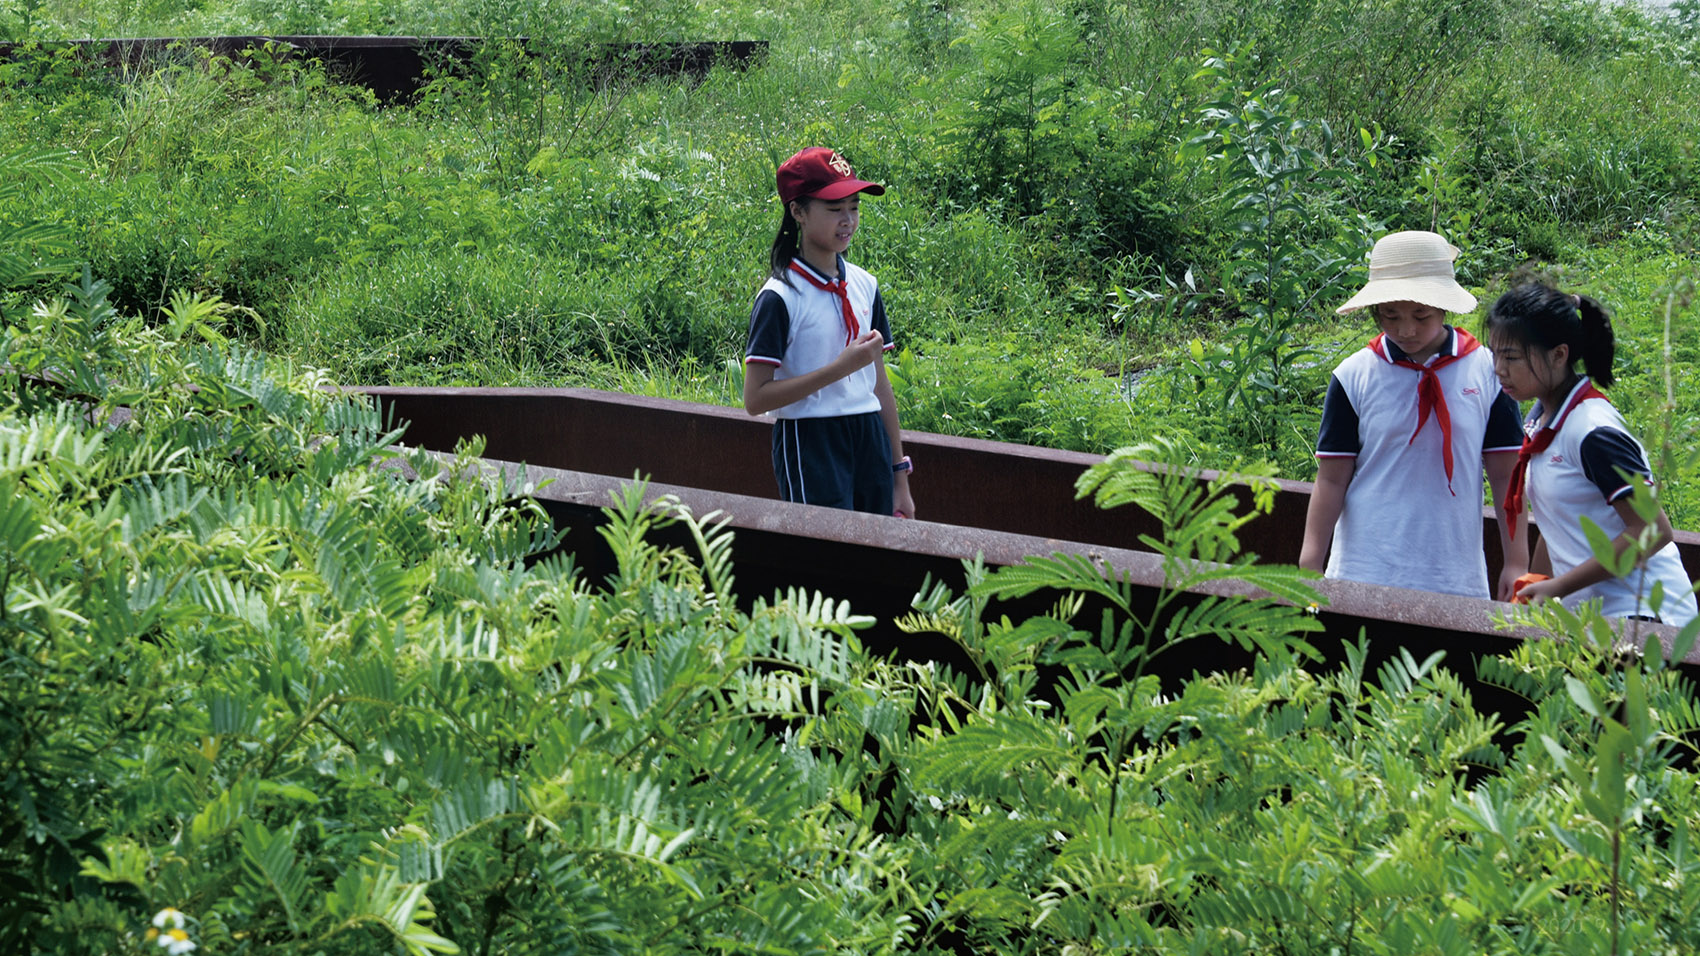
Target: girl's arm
1514 548
1333 476
901 500
764 393
1592 571
1540 562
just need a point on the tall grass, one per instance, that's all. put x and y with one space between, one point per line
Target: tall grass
523 224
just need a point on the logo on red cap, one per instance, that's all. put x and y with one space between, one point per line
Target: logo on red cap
818 172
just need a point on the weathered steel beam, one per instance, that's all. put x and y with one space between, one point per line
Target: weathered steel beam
878 564
395 68
1018 489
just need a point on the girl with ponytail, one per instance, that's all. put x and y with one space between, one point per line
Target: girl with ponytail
815 358
1578 459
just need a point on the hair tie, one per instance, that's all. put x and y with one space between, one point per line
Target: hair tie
1575 300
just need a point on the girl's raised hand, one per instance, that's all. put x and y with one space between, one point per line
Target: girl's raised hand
863 351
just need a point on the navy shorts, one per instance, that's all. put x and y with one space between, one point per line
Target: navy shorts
843 461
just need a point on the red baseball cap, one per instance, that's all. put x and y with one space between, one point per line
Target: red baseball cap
820 173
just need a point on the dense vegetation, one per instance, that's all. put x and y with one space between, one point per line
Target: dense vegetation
1108 220
269 685
265 687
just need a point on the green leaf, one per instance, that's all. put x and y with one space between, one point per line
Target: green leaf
271 860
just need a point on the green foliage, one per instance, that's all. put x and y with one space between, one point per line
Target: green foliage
30 251
253 671
269 682
1295 247
1610 723
1017 128
1676 453
1039 137
260 666
1198 549
540 217
1370 809
971 390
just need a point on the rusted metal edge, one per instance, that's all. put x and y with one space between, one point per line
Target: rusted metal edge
1019 489
394 67
877 564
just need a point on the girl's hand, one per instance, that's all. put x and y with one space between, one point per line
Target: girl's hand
867 347
1508 581
1539 590
903 503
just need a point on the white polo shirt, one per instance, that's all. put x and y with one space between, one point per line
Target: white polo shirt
1577 476
798 328
1402 525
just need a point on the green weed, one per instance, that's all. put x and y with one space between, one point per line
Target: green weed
535 219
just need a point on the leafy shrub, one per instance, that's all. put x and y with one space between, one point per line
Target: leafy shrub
1002 392
274 684
257 675
1296 250
30 251
1075 162
618 227
1280 809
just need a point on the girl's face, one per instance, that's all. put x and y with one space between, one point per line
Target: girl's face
826 226
1419 330
1528 371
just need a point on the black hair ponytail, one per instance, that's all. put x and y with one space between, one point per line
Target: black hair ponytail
1538 315
1599 344
785 246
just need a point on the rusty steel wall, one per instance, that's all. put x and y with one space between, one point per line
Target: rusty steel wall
878 564
1016 489
395 68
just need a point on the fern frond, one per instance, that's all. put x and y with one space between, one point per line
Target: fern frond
580 917
997 838
983 759
373 892
271 861
1061 571
1251 624
624 816
225 811
471 805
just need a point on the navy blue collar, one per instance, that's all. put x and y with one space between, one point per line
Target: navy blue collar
802 263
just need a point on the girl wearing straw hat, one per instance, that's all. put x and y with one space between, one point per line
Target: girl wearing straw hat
1409 425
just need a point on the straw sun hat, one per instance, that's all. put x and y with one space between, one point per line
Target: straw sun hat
1412 267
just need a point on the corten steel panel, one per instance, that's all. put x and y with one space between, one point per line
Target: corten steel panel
877 564
1012 488
394 67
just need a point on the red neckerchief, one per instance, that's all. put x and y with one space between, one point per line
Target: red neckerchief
1430 396
1537 443
840 288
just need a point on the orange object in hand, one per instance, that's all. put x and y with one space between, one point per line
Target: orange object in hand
1525 579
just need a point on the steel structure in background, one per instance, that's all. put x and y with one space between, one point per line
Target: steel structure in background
395 68
1000 501
966 482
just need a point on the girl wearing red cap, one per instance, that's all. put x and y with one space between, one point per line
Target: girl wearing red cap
1578 459
815 357
1409 424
